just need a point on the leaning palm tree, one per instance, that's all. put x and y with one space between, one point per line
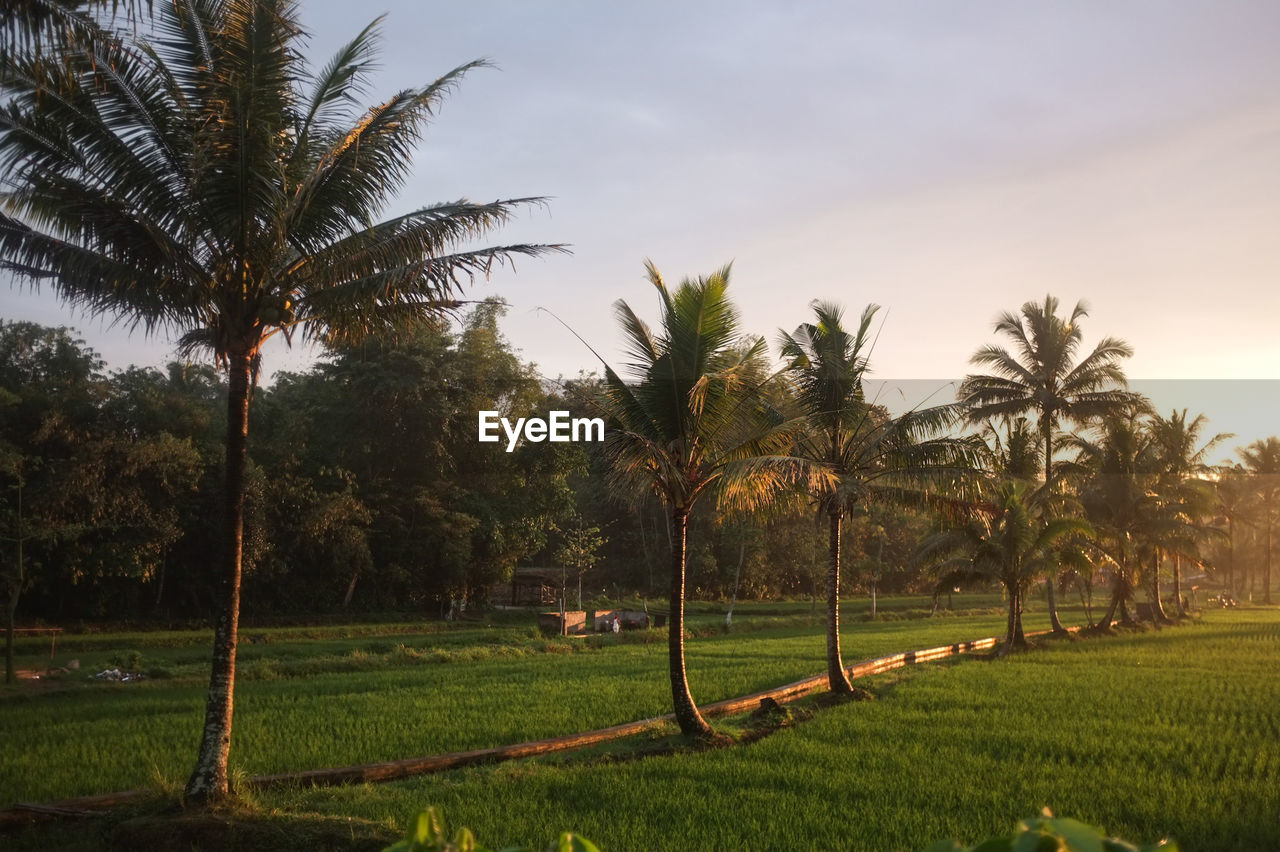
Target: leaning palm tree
1042 376
693 417
866 452
1262 460
206 183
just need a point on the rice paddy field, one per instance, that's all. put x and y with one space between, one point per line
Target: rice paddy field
1173 732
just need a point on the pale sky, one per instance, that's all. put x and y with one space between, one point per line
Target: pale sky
947 161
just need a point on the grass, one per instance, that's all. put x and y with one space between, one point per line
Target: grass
306 703
1175 732
1171 732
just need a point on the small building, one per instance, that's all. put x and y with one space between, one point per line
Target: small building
528 587
575 623
628 619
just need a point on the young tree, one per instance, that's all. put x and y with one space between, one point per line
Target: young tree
190 184
1007 538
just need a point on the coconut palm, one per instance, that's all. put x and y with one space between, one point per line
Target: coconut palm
1042 376
1262 460
1119 494
693 418
206 183
866 451
1007 538
1233 506
1181 459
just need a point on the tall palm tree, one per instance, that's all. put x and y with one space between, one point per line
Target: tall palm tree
1042 376
1120 499
1181 459
865 451
1262 460
1006 538
206 183
1233 505
693 418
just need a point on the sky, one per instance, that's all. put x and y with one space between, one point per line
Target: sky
947 161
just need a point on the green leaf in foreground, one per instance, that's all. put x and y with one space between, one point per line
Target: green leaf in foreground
1052 834
427 834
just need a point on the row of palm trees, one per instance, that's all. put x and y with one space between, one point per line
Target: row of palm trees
694 413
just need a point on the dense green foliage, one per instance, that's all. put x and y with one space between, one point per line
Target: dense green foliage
368 490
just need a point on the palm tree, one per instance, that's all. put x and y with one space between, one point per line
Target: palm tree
1262 460
1231 490
1042 376
1120 500
1182 466
193 185
693 418
865 451
1008 539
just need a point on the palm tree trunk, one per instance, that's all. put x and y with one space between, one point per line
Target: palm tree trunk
835 665
1177 585
1266 575
687 715
1054 622
1019 638
737 575
1157 606
209 781
1231 557
1126 617
1011 631
1119 591
15 591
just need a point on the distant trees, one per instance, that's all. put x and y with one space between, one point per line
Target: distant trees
1262 461
1182 465
91 495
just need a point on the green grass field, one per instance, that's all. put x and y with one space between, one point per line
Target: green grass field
315 698
1171 732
